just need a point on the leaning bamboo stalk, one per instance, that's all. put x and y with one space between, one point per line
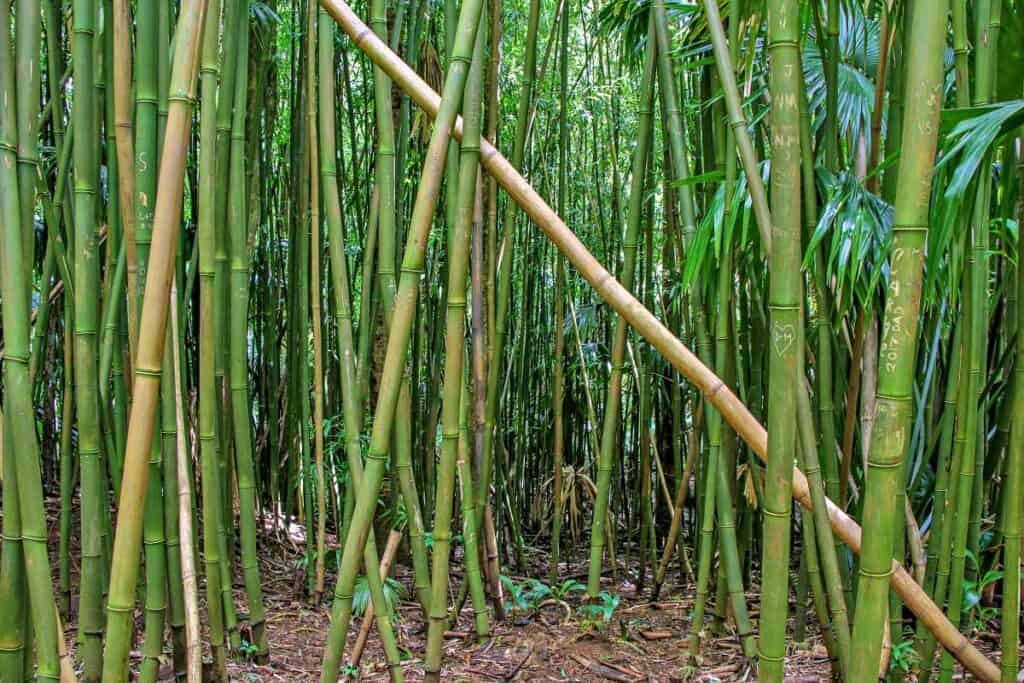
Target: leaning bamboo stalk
659 336
193 644
613 390
368 617
167 222
398 345
738 122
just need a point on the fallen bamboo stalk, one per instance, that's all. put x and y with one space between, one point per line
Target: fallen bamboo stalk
650 328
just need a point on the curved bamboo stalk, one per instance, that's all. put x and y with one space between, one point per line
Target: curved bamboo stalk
611 291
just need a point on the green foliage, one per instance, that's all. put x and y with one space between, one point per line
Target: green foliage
247 649
974 613
856 228
361 595
970 135
903 659
603 610
858 64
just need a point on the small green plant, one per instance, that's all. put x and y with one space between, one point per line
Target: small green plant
351 671
567 588
518 595
247 649
903 659
974 613
598 614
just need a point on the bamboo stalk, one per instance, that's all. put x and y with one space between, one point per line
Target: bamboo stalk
190 584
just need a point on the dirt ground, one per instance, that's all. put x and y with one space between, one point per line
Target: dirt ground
643 641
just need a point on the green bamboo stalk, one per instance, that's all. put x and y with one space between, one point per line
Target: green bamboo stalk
454 404
351 402
972 416
208 331
1013 488
222 302
501 263
899 338
613 396
832 579
153 523
680 165
785 295
386 236
968 503
67 464
832 58
470 533
12 561
86 324
398 340
239 342
28 37
315 294
558 373
125 566
815 457
139 237
28 527
939 555
738 122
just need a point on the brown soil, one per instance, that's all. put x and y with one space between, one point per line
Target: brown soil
644 641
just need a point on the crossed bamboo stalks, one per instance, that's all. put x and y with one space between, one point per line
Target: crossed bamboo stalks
649 327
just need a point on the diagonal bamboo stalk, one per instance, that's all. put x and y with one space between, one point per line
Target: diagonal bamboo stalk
673 350
167 221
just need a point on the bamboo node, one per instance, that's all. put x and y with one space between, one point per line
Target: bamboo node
876 575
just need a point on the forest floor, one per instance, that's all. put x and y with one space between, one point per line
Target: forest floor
642 641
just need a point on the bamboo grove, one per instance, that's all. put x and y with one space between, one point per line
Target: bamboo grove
716 299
